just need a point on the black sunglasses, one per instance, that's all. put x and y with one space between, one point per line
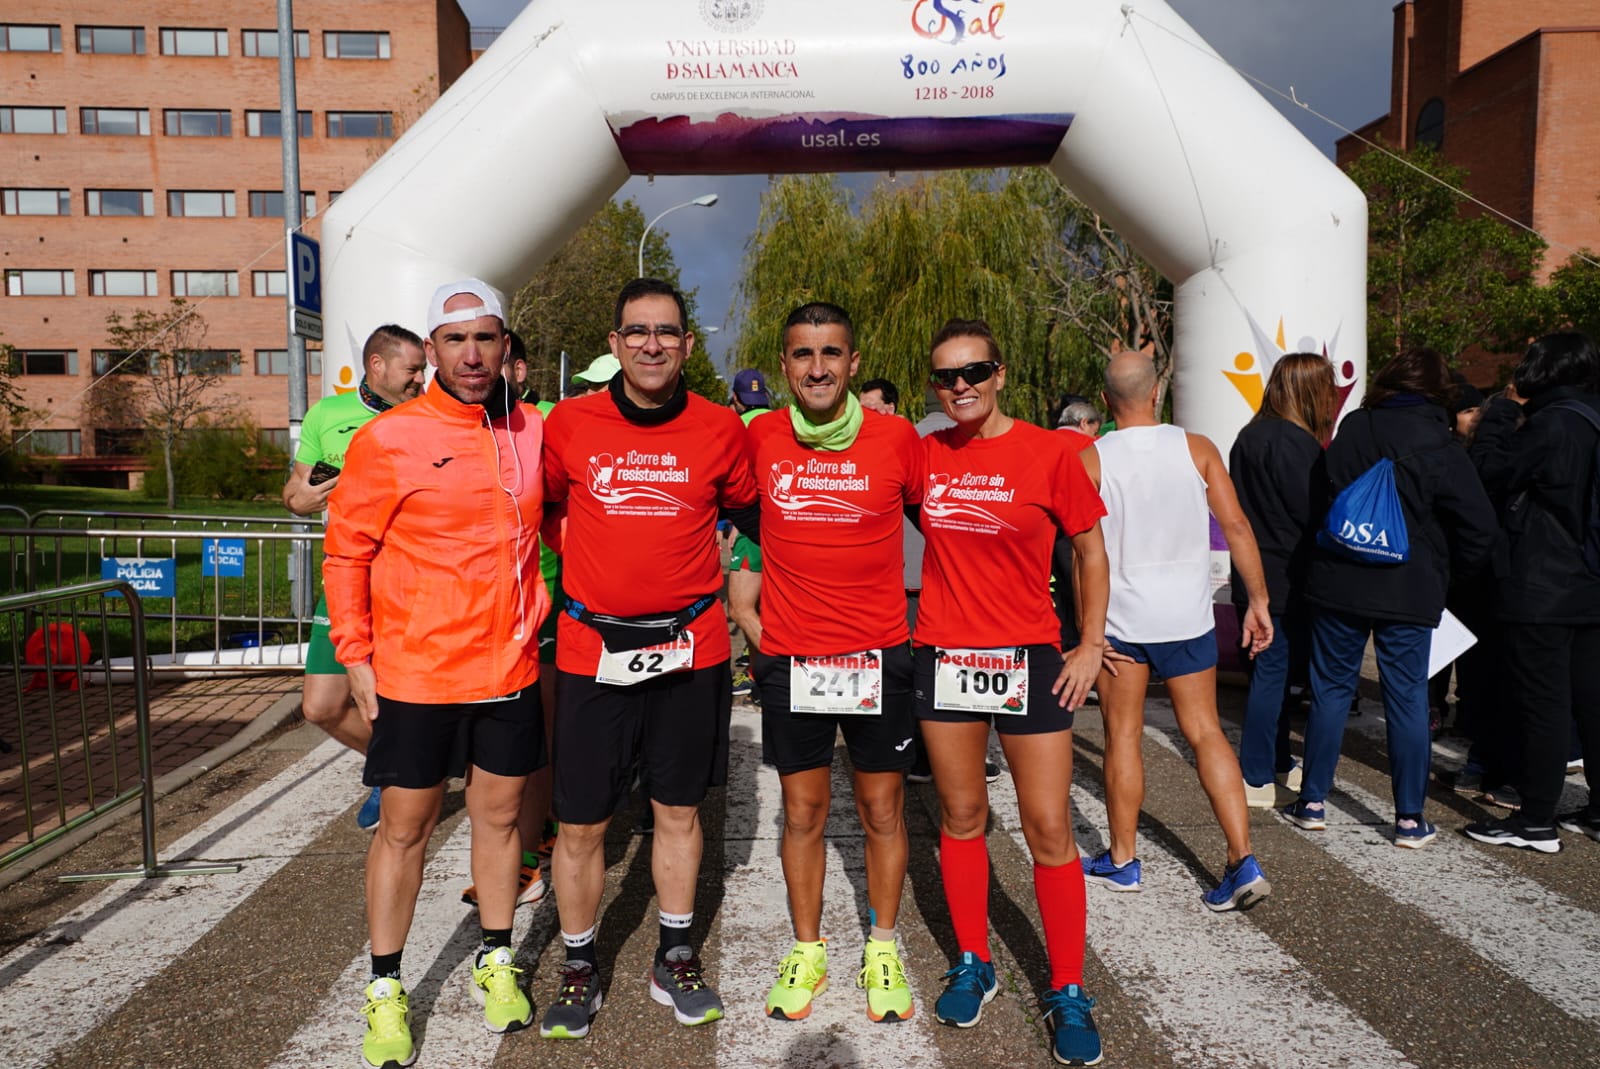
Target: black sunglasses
971 374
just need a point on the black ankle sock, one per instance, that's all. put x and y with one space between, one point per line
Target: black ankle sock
671 939
583 952
496 937
386 965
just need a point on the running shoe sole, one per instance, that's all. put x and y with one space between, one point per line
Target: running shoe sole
1543 846
777 1013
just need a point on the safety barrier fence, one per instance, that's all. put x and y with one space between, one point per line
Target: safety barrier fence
77 743
221 594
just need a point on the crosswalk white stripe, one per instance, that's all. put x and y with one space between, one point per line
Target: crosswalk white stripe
105 950
1217 988
1544 942
446 1021
756 932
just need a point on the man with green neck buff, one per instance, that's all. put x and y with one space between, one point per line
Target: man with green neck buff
835 482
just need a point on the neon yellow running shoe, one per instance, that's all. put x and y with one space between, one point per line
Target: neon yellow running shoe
888 994
494 985
802 975
388 1039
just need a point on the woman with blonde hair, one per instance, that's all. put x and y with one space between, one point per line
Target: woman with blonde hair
1278 471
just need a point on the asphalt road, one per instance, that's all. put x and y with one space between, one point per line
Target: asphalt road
1457 955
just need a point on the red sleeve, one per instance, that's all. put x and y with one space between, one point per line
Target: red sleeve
739 488
359 513
916 452
1075 502
555 471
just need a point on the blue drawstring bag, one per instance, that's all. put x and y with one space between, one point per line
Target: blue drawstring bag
1365 522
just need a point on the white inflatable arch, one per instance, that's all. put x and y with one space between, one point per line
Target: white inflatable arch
1263 238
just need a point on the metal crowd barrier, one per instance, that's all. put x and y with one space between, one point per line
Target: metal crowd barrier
217 591
70 741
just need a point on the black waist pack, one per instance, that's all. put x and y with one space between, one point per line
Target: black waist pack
622 633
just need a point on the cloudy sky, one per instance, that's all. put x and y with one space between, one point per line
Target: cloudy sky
1335 56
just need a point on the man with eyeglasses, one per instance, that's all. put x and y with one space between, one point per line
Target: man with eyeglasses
834 653
642 470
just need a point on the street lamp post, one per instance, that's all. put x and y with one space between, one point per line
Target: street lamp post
704 201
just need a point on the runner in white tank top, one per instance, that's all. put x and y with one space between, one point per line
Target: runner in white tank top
1159 484
1158 535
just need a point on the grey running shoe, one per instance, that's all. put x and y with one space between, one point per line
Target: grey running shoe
576 1003
677 982
1582 821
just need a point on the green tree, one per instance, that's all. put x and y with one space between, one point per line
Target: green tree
1436 275
964 244
12 415
184 380
1572 297
569 304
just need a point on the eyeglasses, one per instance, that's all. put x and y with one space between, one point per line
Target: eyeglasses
971 374
636 335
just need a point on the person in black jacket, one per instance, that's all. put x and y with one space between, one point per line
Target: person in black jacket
1449 522
1548 597
1282 482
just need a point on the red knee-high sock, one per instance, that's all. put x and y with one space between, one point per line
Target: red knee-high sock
964 863
1059 890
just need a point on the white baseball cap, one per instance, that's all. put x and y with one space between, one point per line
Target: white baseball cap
490 303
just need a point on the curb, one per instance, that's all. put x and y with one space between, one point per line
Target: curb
275 716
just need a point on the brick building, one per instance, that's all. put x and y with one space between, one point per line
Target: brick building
140 160
1510 90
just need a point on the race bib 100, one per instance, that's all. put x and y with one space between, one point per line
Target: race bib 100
848 684
635 666
987 682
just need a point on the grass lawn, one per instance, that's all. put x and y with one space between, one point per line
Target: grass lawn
33 499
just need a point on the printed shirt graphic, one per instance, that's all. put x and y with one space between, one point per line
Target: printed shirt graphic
328 427
641 513
831 536
989 517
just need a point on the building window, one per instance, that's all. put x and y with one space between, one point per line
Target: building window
116 362
1430 124
212 361
119 202
360 124
272 361
270 123
22 283
277 437
18 38
269 283
111 40
268 204
264 43
194 42
205 283
33 120
36 202
197 123
314 362
200 203
48 443
45 361
118 442
121 122
349 44
122 284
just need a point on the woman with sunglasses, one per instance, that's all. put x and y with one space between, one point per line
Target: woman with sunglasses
987 651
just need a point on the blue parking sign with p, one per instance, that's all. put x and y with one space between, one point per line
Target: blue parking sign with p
307 261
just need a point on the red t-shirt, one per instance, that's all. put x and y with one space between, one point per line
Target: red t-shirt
1076 439
990 515
642 507
831 554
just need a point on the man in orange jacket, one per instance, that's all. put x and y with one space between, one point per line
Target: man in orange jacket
432 576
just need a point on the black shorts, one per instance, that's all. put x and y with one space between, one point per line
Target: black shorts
672 729
795 742
419 745
1044 713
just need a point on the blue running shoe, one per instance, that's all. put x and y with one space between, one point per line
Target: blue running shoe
1242 886
1414 833
1101 869
367 815
1311 816
1076 1041
968 989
